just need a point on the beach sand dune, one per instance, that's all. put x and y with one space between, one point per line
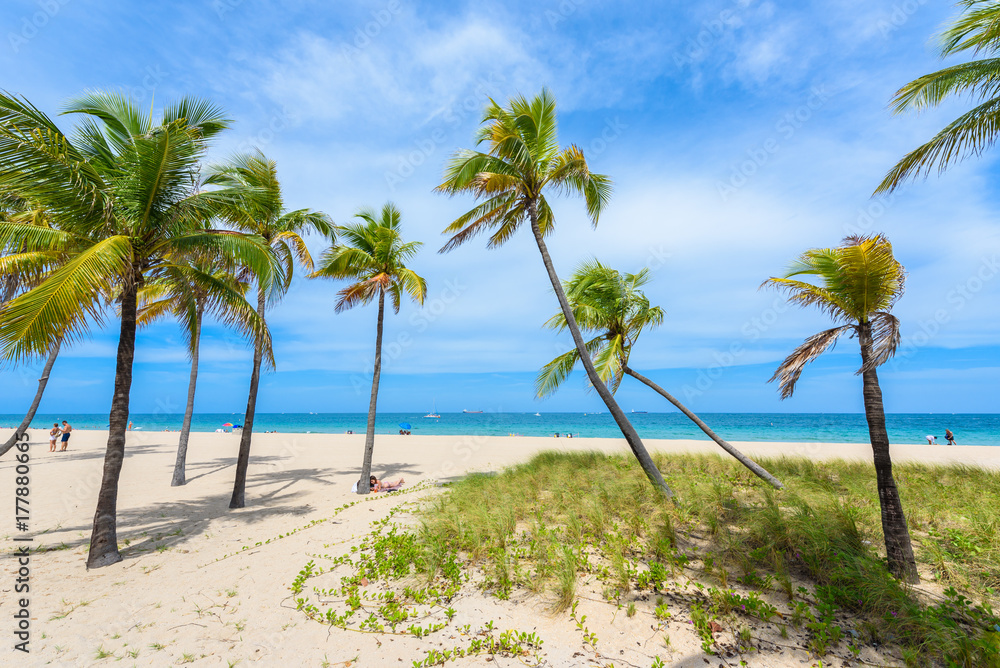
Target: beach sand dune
204 583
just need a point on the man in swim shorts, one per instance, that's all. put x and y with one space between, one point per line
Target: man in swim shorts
66 429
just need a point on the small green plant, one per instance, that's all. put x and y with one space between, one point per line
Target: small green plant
630 610
102 653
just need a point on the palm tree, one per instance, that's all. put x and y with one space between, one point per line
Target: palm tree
262 213
860 282
122 193
187 292
374 256
19 271
522 162
974 131
612 305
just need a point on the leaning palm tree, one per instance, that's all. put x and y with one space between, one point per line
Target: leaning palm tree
521 163
123 197
187 292
974 31
860 281
19 271
373 255
611 304
262 213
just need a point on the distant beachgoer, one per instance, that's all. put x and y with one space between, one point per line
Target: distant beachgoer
130 425
950 436
931 440
53 436
66 429
378 486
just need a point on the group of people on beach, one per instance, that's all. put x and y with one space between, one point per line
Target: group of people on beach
932 440
56 431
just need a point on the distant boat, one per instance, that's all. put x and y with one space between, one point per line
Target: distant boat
465 411
635 411
433 413
538 414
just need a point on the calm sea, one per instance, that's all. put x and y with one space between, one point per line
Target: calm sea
971 429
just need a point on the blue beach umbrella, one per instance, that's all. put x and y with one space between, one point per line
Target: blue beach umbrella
405 425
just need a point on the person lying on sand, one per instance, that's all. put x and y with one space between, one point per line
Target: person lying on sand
378 486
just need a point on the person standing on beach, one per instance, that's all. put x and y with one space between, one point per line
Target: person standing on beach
950 436
53 435
66 429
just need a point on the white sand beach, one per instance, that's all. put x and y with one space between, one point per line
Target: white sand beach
187 590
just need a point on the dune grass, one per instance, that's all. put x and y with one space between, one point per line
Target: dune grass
539 525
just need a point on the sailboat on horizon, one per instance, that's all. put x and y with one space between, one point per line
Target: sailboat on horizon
433 413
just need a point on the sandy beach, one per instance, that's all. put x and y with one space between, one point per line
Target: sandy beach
187 591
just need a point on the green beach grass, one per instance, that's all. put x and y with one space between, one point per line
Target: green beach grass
738 561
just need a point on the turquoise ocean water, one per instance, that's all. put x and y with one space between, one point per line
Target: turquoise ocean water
970 429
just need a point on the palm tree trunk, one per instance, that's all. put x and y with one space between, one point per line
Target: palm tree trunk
628 431
898 548
243 459
42 382
104 538
182 444
757 469
366 466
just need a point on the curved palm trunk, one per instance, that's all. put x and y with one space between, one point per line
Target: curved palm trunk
182 444
628 431
104 537
757 469
243 459
30 415
366 466
898 548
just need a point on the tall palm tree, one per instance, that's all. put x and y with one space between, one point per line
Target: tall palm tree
122 193
372 253
187 292
860 281
522 162
975 31
612 305
19 271
262 213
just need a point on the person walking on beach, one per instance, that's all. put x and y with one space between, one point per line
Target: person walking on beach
950 436
53 435
66 429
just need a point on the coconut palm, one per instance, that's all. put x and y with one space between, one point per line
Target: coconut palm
187 292
372 253
19 271
974 31
123 196
262 213
522 162
612 305
859 282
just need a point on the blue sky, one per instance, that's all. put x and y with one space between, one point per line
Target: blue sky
738 134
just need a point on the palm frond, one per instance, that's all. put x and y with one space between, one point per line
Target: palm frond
790 369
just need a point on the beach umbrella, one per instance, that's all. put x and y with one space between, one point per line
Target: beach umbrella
404 425
228 424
